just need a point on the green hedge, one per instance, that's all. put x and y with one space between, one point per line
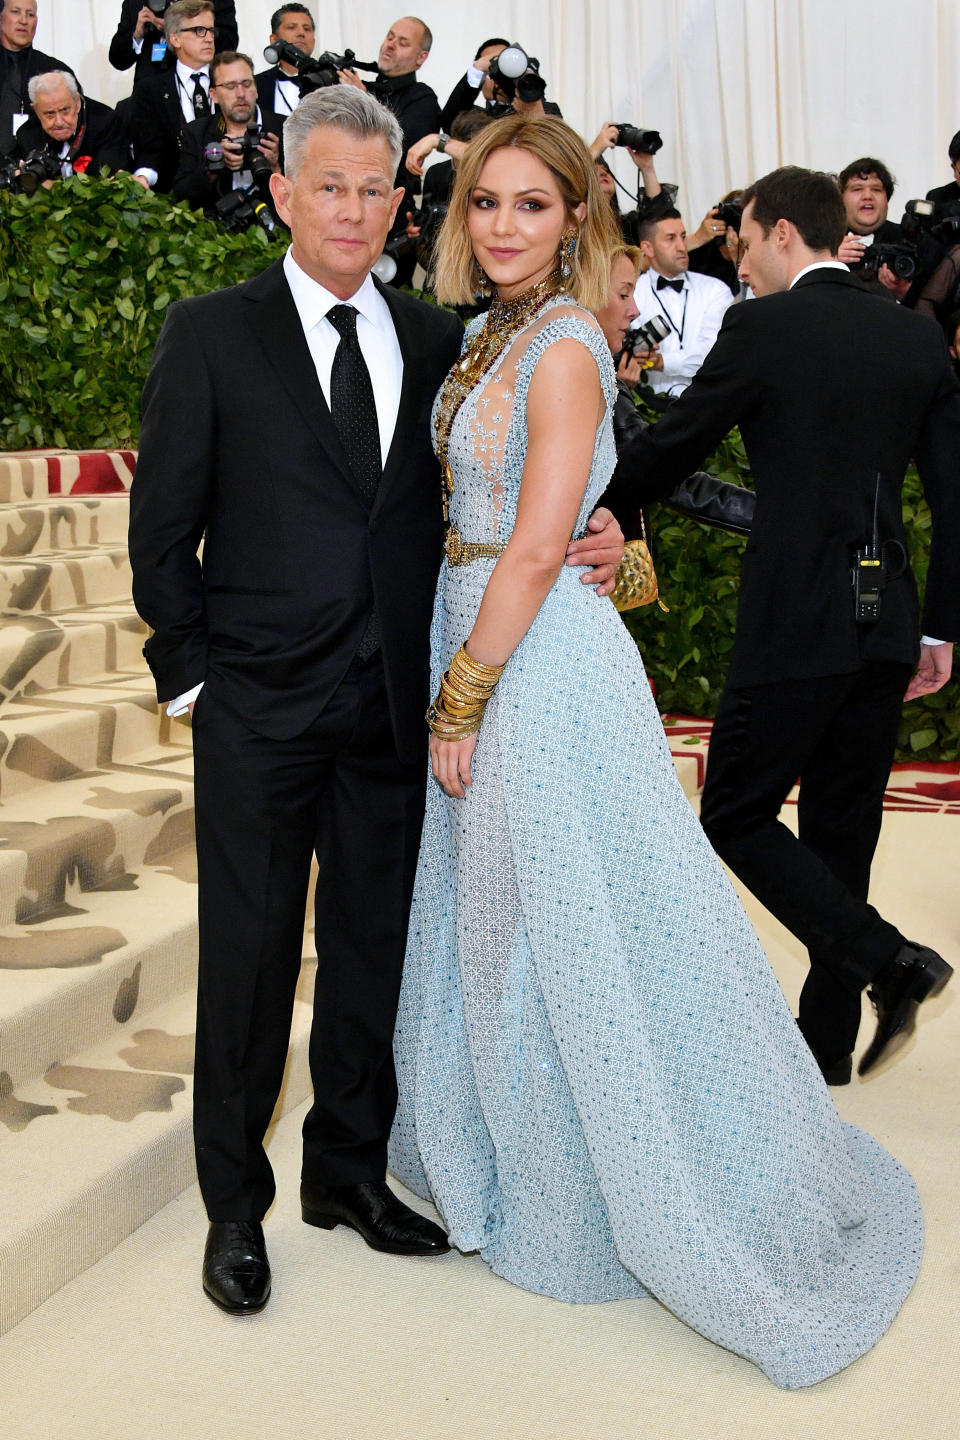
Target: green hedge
87 271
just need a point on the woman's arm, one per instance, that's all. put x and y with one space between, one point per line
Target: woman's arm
565 404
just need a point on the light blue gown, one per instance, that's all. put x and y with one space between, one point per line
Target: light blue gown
602 1089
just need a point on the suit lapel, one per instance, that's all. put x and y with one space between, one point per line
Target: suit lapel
273 317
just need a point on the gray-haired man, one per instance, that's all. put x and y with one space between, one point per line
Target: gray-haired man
288 420
83 134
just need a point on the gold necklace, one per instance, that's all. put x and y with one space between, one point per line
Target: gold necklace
505 319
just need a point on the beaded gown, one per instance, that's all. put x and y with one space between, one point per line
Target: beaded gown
601 1087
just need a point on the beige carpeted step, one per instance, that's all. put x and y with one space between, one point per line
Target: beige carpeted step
74 647
100 1143
33 475
49 582
63 523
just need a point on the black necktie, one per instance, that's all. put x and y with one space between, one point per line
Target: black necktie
664 284
354 414
201 101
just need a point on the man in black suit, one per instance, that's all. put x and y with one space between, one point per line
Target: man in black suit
234 89
945 195
82 133
278 88
164 103
19 62
834 391
140 40
866 187
291 430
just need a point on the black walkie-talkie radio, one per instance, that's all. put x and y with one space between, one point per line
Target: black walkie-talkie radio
869 573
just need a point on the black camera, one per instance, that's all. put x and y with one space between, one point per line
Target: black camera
42 164
517 75
647 335
314 74
645 142
902 260
159 7
252 157
239 209
729 213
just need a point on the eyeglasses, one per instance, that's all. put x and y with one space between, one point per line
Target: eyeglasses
235 85
201 31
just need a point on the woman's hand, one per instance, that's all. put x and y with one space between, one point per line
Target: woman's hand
419 152
631 368
606 138
451 763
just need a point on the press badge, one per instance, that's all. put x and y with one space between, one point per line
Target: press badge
159 51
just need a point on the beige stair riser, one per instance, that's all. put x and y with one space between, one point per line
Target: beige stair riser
44 585
48 652
63 524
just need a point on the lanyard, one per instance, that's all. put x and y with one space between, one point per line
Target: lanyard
280 94
670 321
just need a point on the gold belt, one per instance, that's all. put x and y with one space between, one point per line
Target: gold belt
461 552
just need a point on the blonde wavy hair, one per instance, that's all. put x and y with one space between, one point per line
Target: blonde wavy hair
569 161
633 253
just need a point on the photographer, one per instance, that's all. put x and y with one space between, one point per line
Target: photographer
163 104
701 496
476 81
652 198
278 89
140 39
81 134
714 248
866 187
948 194
692 305
423 228
216 155
19 62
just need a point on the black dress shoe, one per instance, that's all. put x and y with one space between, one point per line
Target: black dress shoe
836 1072
913 975
236 1271
372 1209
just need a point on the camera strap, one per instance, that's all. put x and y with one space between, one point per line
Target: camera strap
670 321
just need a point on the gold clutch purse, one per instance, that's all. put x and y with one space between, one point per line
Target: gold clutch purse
636 578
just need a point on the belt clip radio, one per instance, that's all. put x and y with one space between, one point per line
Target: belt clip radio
869 573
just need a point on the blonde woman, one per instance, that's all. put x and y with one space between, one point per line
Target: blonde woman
601 1087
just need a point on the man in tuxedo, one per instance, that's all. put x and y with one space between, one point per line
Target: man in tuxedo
233 87
866 187
834 391
164 103
287 421
82 133
140 40
277 88
693 305
19 62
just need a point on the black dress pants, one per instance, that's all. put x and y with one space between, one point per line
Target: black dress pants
263 807
837 733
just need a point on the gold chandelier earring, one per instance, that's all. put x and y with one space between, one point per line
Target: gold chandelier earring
567 253
482 287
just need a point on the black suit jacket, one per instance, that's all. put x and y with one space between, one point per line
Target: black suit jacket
16 71
155 121
238 447
943 195
102 139
267 88
122 54
193 181
829 386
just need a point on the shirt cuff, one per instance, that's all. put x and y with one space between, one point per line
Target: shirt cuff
475 77
137 44
929 640
149 175
181 704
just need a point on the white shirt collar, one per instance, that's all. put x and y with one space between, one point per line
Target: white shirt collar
313 300
818 265
185 76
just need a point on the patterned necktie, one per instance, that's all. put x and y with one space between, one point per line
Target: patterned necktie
664 284
354 414
201 101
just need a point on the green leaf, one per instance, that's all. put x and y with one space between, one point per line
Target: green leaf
920 739
125 307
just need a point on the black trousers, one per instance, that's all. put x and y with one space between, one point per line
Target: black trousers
263 807
837 733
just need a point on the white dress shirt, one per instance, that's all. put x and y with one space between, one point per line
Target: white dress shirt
380 349
694 316
286 95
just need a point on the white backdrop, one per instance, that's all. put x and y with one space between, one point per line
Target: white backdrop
735 86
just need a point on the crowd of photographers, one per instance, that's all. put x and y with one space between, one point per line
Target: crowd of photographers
205 125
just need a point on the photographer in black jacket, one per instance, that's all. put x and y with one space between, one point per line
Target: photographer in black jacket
19 62
140 40
212 158
82 134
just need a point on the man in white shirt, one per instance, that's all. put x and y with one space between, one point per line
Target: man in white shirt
287 421
162 104
692 305
277 88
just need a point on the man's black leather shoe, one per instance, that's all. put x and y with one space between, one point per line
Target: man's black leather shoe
836 1072
372 1209
913 975
236 1271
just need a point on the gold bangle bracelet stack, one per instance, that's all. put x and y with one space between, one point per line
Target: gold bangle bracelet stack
464 691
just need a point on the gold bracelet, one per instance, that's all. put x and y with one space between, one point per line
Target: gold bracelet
465 689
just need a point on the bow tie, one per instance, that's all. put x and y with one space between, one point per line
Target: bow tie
664 284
